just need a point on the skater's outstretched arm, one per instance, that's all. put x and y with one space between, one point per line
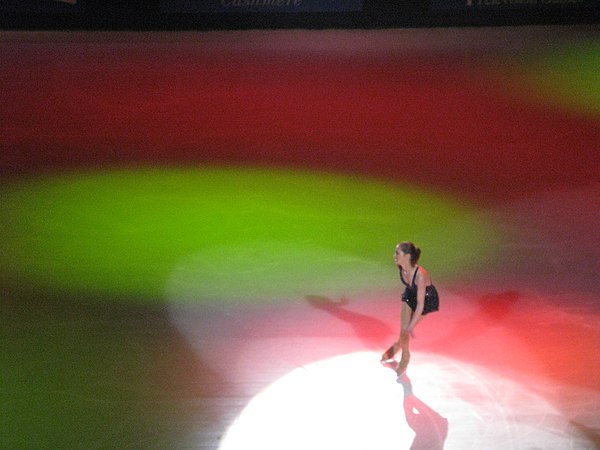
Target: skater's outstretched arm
421 282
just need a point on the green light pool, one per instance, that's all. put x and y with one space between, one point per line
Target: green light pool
226 234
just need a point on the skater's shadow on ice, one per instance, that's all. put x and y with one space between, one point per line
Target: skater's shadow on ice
430 428
369 330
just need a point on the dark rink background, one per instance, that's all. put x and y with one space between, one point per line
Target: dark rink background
197 237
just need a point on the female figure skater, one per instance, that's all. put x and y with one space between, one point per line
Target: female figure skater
419 298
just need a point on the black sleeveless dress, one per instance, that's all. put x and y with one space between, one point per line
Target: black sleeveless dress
432 300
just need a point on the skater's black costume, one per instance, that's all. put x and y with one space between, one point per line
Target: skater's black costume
432 301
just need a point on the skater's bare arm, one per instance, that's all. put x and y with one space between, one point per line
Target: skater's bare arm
420 283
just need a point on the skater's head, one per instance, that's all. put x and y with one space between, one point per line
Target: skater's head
408 249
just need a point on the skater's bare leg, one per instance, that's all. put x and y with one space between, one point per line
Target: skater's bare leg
404 340
390 353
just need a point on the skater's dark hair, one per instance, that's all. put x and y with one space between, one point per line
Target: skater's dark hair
410 249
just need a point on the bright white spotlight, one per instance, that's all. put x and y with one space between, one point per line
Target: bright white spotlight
352 402
344 402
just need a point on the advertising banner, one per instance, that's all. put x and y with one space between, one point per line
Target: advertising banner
259 6
40 6
481 5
